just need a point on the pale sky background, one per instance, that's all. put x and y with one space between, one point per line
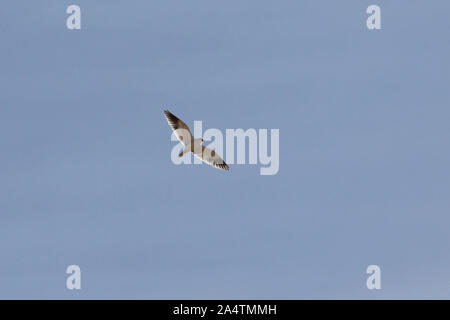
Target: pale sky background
85 170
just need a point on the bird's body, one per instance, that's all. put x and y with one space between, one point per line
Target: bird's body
183 133
192 147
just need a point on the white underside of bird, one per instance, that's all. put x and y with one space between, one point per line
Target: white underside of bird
183 133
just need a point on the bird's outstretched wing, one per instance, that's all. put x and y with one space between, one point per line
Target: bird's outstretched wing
211 157
180 128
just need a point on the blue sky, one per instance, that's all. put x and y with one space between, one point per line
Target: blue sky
85 170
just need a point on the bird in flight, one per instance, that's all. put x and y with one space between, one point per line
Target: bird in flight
195 146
